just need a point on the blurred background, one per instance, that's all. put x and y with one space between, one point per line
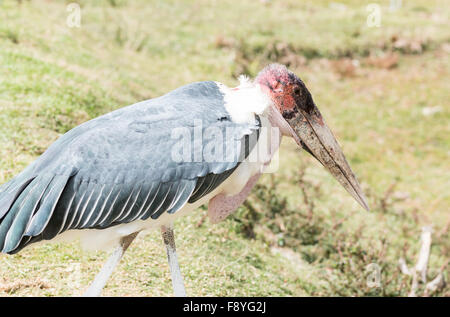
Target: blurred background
378 71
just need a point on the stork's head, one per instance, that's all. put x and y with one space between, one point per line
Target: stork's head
294 112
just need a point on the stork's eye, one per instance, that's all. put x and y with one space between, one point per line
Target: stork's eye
297 91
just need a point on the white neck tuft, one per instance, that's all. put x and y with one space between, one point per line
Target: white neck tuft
244 101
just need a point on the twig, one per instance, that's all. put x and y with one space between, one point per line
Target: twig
202 220
403 267
387 194
309 203
435 285
444 230
250 208
424 254
422 262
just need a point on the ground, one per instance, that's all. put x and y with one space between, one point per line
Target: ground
383 91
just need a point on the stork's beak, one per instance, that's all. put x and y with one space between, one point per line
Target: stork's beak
311 132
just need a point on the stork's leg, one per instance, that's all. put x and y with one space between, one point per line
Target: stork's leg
102 277
177 279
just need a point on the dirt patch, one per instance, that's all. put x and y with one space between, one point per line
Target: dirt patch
385 61
346 67
249 58
12 287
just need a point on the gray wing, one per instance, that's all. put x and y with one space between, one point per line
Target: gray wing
120 167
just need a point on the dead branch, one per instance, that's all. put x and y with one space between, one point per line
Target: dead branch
435 285
17 285
202 220
384 202
424 254
420 269
403 267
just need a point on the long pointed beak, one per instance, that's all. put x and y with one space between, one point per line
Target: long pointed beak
311 132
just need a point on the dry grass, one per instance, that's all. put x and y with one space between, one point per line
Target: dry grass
382 90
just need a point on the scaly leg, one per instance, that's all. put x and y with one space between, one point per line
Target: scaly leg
177 279
102 277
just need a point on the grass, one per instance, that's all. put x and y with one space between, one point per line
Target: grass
299 234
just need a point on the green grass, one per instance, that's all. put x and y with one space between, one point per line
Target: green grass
53 78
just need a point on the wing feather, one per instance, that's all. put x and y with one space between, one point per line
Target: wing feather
167 201
130 206
21 221
183 197
144 203
104 221
103 205
75 210
90 190
91 207
47 206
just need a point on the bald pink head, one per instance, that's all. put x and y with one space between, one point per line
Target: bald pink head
301 118
286 90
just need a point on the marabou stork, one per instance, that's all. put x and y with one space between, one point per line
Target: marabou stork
122 173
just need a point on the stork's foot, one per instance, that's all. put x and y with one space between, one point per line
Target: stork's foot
177 279
102 277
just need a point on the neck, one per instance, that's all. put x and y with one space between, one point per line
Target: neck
245 101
